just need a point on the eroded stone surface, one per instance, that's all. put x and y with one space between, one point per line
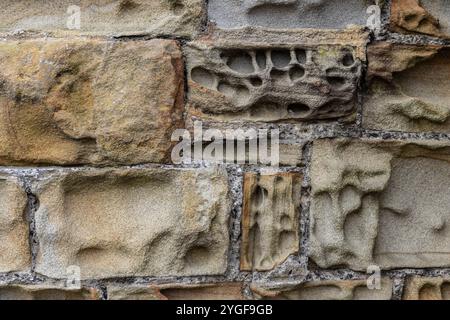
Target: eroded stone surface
327 290
271 207
43 292
219 291
409 88
380 203
127 292
104 17
89 101
275 76
133 222
325 14
423 288
14 247
430 17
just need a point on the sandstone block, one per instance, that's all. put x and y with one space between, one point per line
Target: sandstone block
409 88
45 292
218 291
429 17
105 17
380 203
424 288
14 247
288 14
133 222
211 291
270 219
327 290
126 292
275 76
77 101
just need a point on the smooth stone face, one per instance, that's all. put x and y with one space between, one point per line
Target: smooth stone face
323 14
133 222
14 247
103 17
89 101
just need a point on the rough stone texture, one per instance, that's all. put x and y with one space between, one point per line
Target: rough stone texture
219 291
126 292
133 222
271 207
325 14
424 288
89 101
380 203
104 17
327 290
409 89
14 247
45 292
430 17
275 76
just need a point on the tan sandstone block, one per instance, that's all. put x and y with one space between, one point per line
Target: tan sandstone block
14 247
45 292
77 101
424 288
270 219
409 88
429 17
218 291
133 222
380 203
103 17
275 76
126 292
327 290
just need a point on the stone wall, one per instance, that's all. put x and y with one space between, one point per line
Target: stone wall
93 205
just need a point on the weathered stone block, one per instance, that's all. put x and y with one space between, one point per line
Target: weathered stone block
380 203
429 17
324 14
45 292
423 288
173 291
270 219
275 76
14 247
104 17
218 291
133 222
327 290
409 88
82 101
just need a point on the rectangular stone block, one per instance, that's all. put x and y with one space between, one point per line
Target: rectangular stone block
270 219
133 222
327 290
47 292
288 14
275 76
14 246
213 291
409 88
426 288
428 17
103 17
78 101
380 203
173 291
